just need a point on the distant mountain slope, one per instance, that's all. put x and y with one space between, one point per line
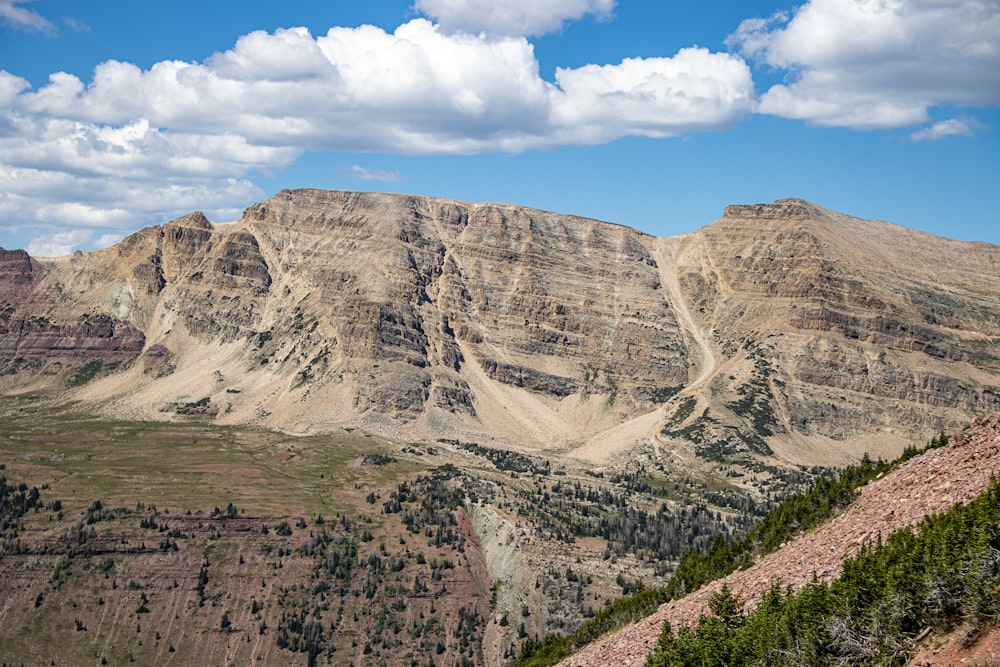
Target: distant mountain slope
845 311
781 332
928 484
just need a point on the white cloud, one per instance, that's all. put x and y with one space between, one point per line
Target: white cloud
417 90
654 97
286 55
76 24
133 147
369 174
48 200
58 244
23 18
953 127
510 17
869 64
107 240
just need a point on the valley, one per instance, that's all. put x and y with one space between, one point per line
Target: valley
330 549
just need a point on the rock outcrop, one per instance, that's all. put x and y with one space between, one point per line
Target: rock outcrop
865 326
777 331
31 341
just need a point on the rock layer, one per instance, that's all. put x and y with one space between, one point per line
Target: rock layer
785 323
867 326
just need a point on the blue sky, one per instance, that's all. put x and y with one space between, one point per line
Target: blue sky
115 116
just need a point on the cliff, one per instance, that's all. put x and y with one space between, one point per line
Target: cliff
782 332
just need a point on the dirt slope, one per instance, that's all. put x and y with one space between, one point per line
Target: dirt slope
928 484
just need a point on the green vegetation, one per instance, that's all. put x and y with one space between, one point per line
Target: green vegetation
396 583
85 373
502 458
263 338
655 532
388 566
717 441
797 513
197 466
377 460
621 612
756 398
384 499
944 574
201 407
15 502
682 412
664 394
724 442
629 517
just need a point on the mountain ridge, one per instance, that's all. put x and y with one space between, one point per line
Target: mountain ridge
678 383
795 330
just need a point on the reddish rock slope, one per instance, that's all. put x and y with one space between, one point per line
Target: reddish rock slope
927 484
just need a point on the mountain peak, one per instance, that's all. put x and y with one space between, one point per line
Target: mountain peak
779 209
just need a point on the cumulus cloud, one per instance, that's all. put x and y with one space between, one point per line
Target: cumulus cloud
868 64
62 243
47 200
510 17
655 97
23 18
134 146
417 90
58 244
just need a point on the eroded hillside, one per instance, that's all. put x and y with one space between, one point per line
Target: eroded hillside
780 335
124 540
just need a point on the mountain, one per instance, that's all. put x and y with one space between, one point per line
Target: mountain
780 332
508 417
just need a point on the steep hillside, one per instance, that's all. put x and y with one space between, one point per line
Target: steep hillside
780 335
847 327
181 544
928 484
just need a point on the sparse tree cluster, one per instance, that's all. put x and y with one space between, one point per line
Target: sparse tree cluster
797 513
944 574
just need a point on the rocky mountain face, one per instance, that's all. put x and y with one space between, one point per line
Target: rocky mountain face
873 310
780 332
